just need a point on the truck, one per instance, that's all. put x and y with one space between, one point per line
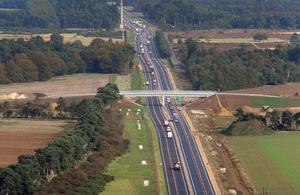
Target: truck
151 68
148 42
176 165
148 61
169 134
166 123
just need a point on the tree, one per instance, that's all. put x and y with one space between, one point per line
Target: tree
260 36
61 107
109 94
72 67
294 38
287 119
240 114
274 117
42 65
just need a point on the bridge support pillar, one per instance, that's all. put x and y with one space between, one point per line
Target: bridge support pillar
163 100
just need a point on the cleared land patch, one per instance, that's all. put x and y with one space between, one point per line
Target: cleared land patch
18 136
271 160
70 84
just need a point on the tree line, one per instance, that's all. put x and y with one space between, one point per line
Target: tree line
98 130
39 60
59 14
210 69
225 14
162 44
275 120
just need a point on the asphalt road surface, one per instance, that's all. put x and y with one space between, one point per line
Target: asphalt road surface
176 181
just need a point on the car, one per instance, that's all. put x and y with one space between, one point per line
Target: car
154 81
147 82
150 52
152 58
168 128
179 108
138 55
152 73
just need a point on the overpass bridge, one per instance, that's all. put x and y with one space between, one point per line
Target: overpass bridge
163 93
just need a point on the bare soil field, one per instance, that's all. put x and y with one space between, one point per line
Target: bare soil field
19 137
279 37
68 37
289 89
70 84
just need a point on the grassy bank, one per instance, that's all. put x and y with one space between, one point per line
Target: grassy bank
271 160
128 170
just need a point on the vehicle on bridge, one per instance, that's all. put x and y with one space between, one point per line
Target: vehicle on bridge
176 165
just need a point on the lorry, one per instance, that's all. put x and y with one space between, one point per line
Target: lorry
166 123
148 61
169 134
151 68
176 165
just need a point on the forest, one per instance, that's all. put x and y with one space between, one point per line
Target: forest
58 14
39 60
239 68
223 14
98 130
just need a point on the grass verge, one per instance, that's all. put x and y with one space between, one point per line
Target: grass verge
271 161
275 102
167 62
128 171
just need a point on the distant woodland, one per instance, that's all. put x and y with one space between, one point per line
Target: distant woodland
239 68
226 14
39 60
58 14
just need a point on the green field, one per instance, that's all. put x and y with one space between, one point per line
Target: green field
128 171
275 102
271 161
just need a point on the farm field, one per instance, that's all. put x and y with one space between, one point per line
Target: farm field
128 170
271 161
70 84
234 38
68 37
18 136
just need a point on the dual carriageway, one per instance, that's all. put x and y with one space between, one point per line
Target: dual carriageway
192 178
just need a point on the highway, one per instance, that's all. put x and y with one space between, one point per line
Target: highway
177 182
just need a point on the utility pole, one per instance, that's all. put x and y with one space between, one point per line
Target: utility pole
121 5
